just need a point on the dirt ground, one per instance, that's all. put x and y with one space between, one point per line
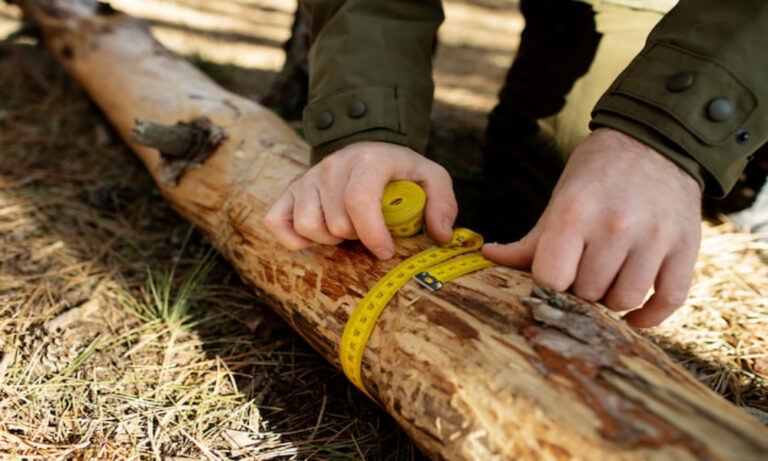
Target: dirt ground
122 336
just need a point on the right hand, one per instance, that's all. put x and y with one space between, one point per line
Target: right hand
340 198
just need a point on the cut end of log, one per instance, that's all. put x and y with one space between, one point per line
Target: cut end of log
182 147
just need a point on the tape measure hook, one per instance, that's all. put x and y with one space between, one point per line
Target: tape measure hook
428 281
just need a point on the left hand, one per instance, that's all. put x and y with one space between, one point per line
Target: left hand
622 219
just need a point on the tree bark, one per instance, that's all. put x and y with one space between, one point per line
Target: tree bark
480 370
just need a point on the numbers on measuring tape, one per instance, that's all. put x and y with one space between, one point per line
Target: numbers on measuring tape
433 264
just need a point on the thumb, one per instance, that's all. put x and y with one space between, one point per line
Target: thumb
516 254
441 208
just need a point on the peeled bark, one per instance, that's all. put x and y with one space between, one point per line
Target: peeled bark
479 370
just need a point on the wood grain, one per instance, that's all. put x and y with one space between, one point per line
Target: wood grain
479 370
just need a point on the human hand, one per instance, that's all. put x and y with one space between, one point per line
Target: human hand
340 198
622 218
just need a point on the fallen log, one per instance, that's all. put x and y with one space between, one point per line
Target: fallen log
486 368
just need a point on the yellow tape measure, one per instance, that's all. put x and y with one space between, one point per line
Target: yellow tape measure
403 206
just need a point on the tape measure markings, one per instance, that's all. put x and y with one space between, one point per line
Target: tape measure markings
361 323
437 276
403 207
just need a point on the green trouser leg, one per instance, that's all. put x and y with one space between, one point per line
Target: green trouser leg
570 52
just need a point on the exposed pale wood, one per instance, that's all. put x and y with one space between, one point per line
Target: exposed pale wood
476 371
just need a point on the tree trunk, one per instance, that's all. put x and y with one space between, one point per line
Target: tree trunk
478 370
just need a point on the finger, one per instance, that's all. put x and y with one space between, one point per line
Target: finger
671 290
362 199
308 220
516 254
635 279
557 259
334 211
598 267
279 221
441 209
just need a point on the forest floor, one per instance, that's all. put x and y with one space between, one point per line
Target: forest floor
122 336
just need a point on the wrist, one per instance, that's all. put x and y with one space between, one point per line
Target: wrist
662 156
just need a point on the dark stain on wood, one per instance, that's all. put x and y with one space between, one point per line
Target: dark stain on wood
496 280
350 266
448 320
572 341
267 270
105 9
67 52
332 288
307 283
283 280
439 382
505 318
557 451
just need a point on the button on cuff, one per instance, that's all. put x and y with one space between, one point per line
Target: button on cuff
324 120
742 136
356 108
712 108
719 109
354 111
681 81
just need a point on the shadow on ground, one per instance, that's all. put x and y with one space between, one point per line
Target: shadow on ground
82 225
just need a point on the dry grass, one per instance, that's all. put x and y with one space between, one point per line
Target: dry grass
721 333
123 337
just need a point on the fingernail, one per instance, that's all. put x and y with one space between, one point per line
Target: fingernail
384 253
492 244
448 224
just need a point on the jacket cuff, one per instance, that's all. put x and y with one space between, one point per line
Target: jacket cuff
688 107
376 113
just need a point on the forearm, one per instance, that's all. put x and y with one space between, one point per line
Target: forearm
693 93
370 72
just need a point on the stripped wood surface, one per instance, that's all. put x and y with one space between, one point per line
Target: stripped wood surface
480 370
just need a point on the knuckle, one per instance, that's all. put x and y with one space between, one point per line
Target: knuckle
306 227
624 300
451 207
658 231
269 221
341 228
588 292
618 222
673 299
553 282
327 165
441 172
571 211
355 198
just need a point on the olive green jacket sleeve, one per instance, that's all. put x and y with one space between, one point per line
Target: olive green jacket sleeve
370 72
698 91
